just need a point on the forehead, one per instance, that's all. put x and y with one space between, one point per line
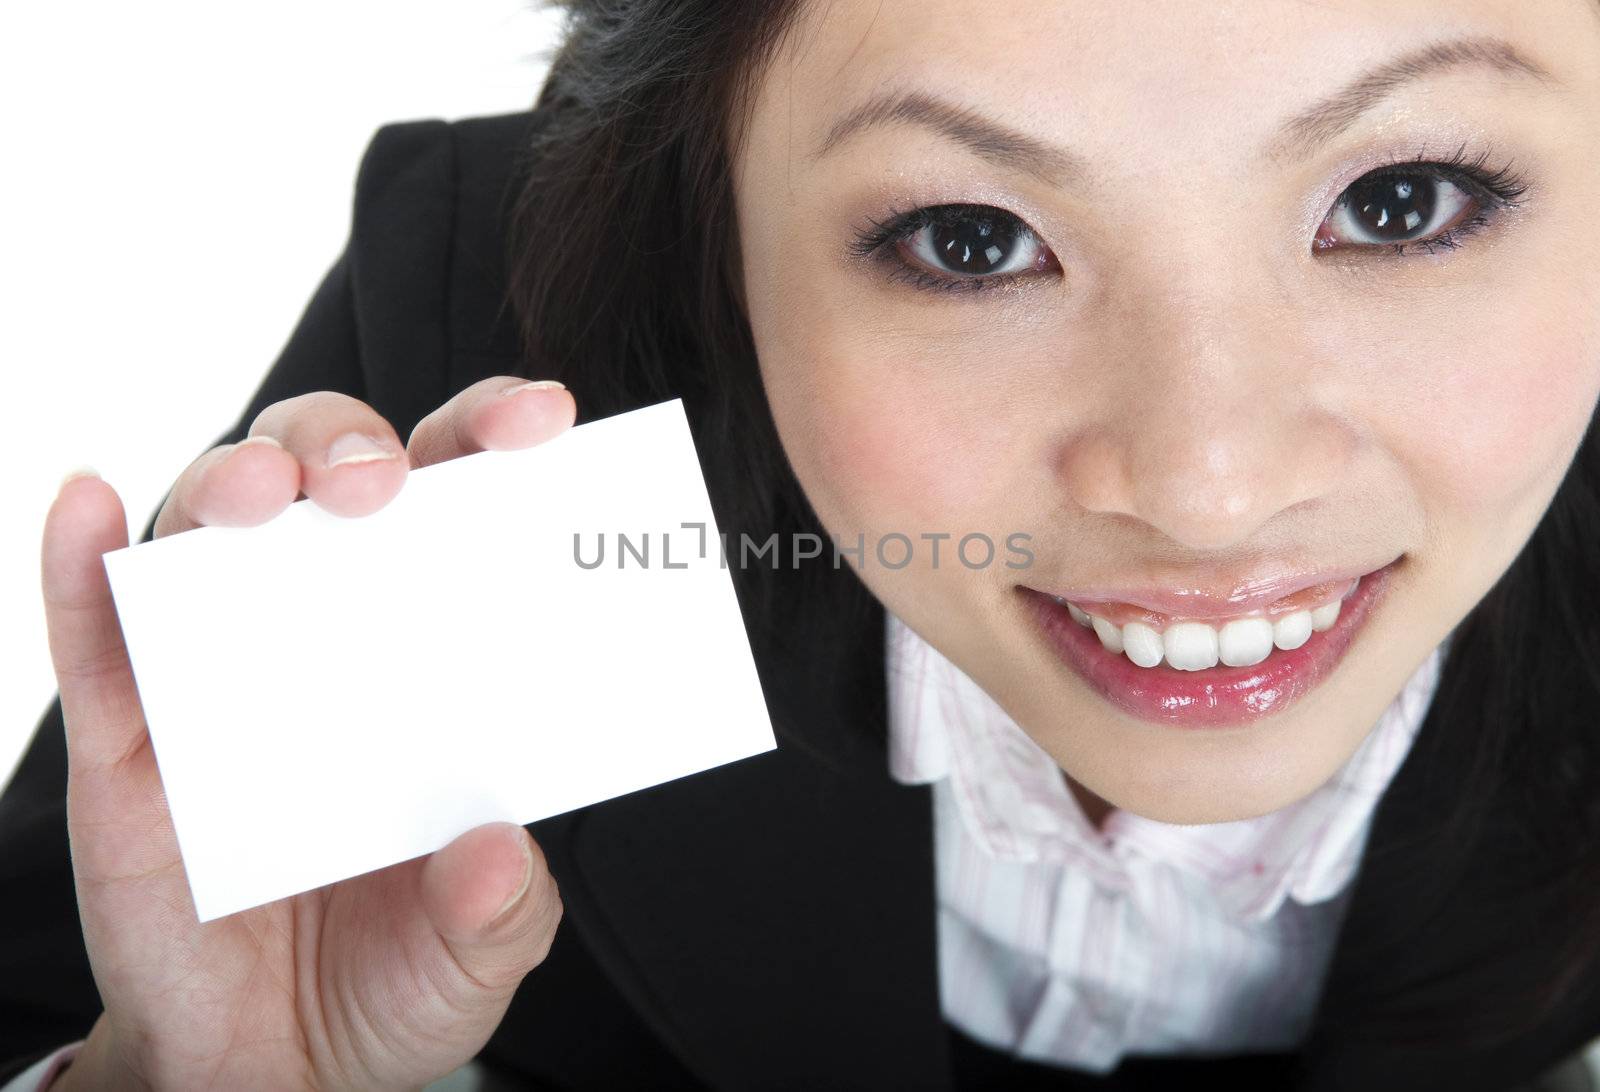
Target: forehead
1095 73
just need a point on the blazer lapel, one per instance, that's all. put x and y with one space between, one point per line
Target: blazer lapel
1436 937
774 918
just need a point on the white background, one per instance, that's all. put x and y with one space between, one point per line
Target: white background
178 177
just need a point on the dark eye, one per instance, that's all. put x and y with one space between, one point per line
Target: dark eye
956 246
1423 205
974 241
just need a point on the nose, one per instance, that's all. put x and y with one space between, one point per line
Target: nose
1204 421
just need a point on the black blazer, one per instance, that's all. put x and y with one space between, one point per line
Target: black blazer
766 924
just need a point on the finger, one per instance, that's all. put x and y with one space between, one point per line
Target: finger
232 485
352 462
98 698
491 897
497 414
113 790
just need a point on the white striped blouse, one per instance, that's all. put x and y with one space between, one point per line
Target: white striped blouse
1063 945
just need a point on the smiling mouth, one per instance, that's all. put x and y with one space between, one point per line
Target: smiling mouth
1243 641
1215 673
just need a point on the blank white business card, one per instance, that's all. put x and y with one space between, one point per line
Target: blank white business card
331 695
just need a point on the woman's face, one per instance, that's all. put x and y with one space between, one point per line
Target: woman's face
1173 346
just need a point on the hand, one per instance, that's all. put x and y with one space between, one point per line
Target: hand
386 981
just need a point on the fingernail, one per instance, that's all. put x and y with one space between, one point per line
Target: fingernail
522 888
270 441
353 447
78 472
536 385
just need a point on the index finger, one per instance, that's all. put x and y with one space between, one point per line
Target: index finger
496 414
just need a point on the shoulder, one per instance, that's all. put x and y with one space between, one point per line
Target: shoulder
414 171
411 163
429 235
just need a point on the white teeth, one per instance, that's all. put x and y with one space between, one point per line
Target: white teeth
1190 646
1110 636
1292 630
1142 644
1245 641
1195 646
1325 616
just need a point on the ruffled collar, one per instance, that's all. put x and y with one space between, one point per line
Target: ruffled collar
1015 805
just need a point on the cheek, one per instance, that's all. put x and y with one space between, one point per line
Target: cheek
892 446
1504 417
880 440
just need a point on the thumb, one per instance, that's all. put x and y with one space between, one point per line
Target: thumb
490 896
98 699
114 809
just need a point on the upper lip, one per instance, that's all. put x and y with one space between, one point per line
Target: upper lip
1192 597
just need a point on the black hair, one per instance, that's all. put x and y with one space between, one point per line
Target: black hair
625 257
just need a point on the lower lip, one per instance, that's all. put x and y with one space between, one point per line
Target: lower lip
1216 697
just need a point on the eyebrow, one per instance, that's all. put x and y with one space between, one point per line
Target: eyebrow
1298 135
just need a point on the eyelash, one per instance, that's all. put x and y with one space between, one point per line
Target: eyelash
1495 192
